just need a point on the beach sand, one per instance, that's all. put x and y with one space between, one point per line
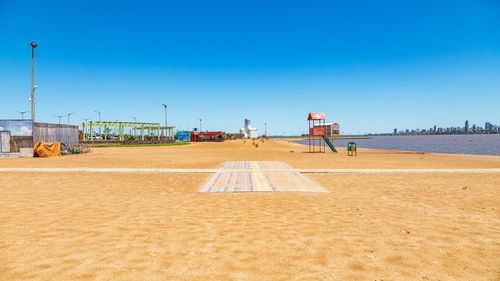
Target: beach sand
390 226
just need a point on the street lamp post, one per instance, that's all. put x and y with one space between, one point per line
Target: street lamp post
86 119
33 87
99 121
69 115
200 124
60 116
165 106
22 114
265 129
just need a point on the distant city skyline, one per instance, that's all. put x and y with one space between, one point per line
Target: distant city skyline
369 66
488 128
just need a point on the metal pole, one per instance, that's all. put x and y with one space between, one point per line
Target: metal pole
165 106
33 46
99 121
166 116
200 124
68 116
22 114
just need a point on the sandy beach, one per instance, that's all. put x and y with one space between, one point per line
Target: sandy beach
381 226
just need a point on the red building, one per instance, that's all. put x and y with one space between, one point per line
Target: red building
206 136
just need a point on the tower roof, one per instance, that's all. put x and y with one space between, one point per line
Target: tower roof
316 116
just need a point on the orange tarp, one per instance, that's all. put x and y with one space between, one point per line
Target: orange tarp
47 149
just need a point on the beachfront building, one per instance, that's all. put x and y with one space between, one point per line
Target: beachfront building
331 129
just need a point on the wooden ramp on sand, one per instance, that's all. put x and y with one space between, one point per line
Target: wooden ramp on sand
240 176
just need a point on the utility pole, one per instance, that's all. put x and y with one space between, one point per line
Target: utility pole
33 87
164 105
99 121
60 116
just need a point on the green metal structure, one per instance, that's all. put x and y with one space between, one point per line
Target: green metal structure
144 129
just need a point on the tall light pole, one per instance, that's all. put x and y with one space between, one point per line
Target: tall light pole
135 119
59 116
265 129
22 114
33 87
69 115
165 106
200 124
99 120
86 119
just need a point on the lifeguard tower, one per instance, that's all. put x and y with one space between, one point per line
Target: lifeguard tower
317 132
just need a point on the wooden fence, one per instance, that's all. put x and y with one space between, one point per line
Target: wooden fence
65 134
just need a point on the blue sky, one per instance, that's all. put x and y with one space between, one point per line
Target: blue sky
369 65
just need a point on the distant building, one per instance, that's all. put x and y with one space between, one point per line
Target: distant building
248 131
395 131
466 125
487 126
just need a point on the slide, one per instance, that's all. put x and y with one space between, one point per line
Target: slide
329 144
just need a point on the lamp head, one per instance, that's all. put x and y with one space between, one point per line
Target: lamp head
33 44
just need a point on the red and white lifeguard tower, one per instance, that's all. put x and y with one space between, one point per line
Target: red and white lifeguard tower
316 131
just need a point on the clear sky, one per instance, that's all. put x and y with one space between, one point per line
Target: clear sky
369 65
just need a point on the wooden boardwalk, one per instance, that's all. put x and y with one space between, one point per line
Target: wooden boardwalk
239 176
